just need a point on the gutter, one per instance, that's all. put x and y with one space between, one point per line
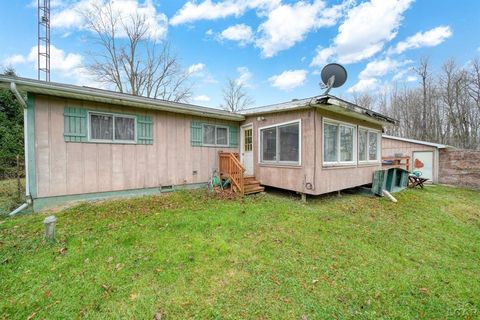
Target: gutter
21 100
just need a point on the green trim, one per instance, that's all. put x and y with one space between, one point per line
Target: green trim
144 129
32 171
75 124
40 204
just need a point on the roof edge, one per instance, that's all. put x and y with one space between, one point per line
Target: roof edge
111 97
426 143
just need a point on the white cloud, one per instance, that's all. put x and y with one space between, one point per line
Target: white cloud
67 16
368 77
288 24
65 67
288 79
201 98
411 79
365 85
245 76
196 68
14 59
429 38
208 10
323 56
378 68
365 31
239 32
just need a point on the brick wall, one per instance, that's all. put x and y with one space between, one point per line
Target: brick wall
460 167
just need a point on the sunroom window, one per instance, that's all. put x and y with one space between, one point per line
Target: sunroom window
280 143
368 147
338 143
106 127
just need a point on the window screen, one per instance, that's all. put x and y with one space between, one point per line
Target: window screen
346 144
209 134
289 142
330 142
101 127
124 128
269 144
373 146
281 144
362 145
222 136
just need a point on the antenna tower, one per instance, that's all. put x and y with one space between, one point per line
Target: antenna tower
44 40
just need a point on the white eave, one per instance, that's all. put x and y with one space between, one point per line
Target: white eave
431 144
110 97
325 102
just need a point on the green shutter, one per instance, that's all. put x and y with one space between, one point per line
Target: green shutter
144 130
196 133
75 124
233 136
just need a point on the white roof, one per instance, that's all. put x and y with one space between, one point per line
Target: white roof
426 143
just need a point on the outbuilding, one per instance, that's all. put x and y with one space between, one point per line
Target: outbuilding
423 156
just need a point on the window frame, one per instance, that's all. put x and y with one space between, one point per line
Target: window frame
215 136
379 145
277 144
355 143
113 115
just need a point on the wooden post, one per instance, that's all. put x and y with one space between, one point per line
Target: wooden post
304 197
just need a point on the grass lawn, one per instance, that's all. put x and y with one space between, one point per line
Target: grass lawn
192 255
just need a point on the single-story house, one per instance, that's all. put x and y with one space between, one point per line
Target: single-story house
423 155
84 143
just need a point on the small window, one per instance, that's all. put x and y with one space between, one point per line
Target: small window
281 143
215 135
338 143
112 128
368 145
248 142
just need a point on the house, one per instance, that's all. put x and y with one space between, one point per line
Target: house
84 143
424 156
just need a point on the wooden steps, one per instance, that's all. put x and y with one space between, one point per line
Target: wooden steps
231 168
252 185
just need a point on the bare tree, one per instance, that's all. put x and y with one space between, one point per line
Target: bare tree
235 96
365 100
129 61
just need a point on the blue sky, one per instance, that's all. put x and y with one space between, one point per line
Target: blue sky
276 48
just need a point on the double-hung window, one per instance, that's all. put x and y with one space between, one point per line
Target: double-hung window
214 135
108 127
339 143
368 145
281 143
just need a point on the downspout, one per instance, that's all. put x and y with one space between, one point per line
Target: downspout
21 100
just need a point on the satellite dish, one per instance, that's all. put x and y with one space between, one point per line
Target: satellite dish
333 76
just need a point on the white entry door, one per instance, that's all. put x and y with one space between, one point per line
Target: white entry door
423 162
246 149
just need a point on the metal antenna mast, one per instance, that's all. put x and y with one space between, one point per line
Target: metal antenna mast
44 40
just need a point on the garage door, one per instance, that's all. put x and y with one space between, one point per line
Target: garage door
423 162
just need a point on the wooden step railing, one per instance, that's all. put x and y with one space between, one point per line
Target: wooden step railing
230 166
